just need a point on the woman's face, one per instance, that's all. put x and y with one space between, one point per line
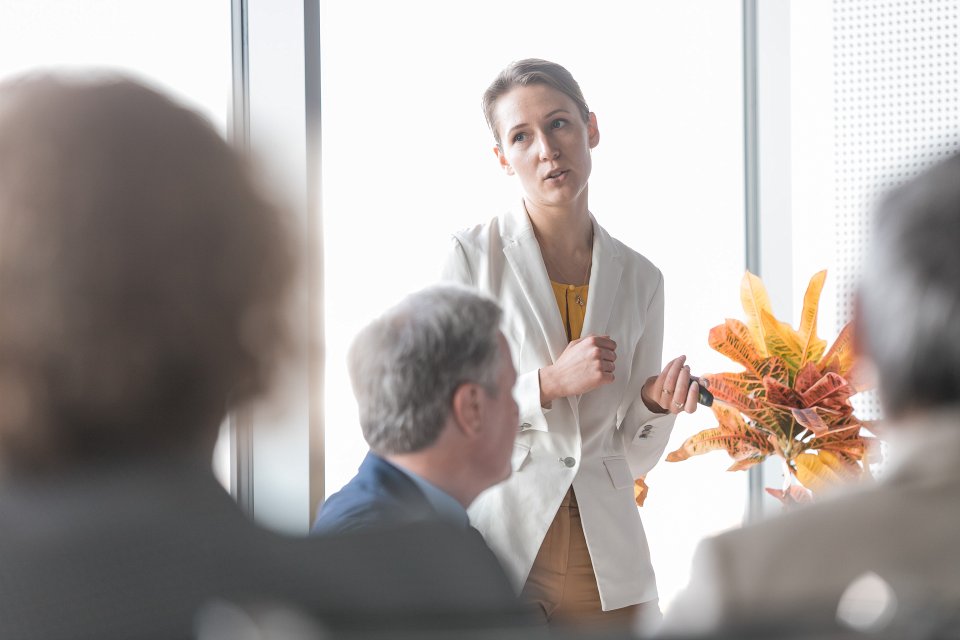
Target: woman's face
546 144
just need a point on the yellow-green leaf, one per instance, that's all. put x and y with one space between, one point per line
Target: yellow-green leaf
775 368
820 471
774 420
756 302
782 342
812 347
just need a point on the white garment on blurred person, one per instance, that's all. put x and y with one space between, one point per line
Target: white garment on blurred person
794 569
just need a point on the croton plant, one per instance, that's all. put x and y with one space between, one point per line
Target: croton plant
791 400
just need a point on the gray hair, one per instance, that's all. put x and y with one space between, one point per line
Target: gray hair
910 294
406 365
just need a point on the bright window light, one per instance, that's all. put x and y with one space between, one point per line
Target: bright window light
180 47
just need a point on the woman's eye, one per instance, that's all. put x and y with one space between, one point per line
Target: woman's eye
520 137
559 123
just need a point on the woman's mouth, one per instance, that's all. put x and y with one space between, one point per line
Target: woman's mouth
557 176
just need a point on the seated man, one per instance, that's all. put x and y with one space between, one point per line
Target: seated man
144 284
433 379
881 558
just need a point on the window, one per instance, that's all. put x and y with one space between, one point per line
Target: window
407 160
875 100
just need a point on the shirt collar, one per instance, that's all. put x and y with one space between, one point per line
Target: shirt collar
445 505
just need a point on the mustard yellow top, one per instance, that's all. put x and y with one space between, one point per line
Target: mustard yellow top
572 301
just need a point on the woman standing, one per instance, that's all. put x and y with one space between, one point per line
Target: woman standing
584 316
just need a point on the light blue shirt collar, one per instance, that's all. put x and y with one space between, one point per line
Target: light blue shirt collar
446 505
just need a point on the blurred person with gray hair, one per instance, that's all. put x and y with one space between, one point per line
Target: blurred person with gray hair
880 558
433 378
144 283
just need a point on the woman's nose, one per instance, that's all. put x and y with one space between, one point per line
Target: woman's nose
548 151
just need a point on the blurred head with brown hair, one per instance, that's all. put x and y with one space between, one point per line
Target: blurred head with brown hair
143 278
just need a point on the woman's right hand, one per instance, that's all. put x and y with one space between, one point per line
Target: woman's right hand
586 363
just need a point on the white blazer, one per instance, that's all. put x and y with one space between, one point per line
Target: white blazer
598 442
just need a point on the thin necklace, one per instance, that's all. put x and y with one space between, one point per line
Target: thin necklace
586 278
586 274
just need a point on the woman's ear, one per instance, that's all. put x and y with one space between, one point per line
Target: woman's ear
502 158
593 131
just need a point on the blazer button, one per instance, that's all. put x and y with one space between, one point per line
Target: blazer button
525 425
568 461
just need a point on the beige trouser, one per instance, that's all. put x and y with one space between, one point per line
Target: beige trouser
562 581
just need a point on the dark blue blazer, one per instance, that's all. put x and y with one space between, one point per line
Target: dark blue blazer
379 496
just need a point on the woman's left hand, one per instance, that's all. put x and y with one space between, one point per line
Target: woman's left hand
673 391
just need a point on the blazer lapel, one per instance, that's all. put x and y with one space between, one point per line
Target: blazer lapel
522 251
604 282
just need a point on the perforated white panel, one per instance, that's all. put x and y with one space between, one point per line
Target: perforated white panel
897 110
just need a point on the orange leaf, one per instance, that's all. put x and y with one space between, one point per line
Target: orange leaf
735 389
792 399
840 357
846 440
821 421
756 302
807 377
791 497
744 382
640 490
810 419
733 435
780 394
733 339
746 463
830 387
710 440
697 444
730 420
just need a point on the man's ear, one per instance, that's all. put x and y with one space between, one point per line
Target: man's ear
468 408
502 158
